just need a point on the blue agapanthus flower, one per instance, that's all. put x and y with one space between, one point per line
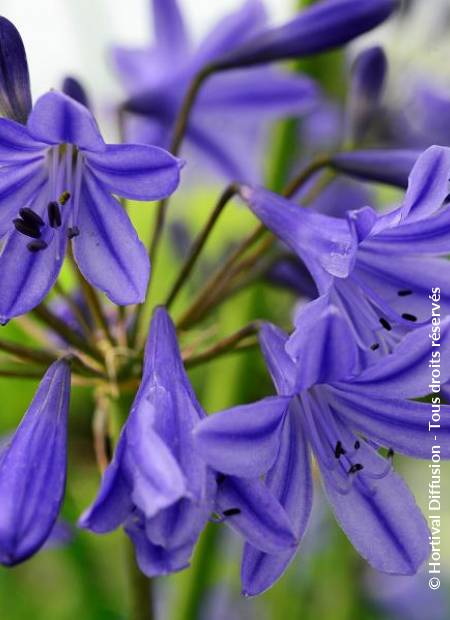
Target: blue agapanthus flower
160 489
56 184
33 465
343 416
378 269
57 180
227 126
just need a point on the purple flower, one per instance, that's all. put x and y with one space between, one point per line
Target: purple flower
227 126
56 184
343 416
159 488
325 25
15 95
33 469
378 270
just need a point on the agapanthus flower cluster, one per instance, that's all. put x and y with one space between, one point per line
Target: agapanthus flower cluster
348 374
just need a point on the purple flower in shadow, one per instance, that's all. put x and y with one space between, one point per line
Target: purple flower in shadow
343 416
228 125
323 26
33 469
376 269
158 486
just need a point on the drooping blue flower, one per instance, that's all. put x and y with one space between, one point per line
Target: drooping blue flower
159 488
343 417
56 183
33 469
378 269
228 125
323 26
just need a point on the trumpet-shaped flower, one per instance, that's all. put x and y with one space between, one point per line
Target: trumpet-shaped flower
159 488
33 469
343 417
379 270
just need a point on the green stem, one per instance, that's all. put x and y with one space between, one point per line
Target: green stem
177 139
227 345
28 354
141 599
199 243
44 314
222 276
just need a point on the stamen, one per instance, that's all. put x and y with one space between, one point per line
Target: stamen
339 450
357 445
37 246
31 217
374 346
73 231
26 229
390 454
384 323
409 317
355 468
65 196
54 214
404 292
230 512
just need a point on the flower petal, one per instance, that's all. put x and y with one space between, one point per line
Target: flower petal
15 93
398 424
324 243
155 560
171 36
230 32
33 469
113 502
57 119
16 144
261 520
19 185
136 171
244 440
322 344
405 373
166 385
387 274
380 517
261 93
26 277
157 481
290 480
180 525
428 184
428 236
280 365
108 250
